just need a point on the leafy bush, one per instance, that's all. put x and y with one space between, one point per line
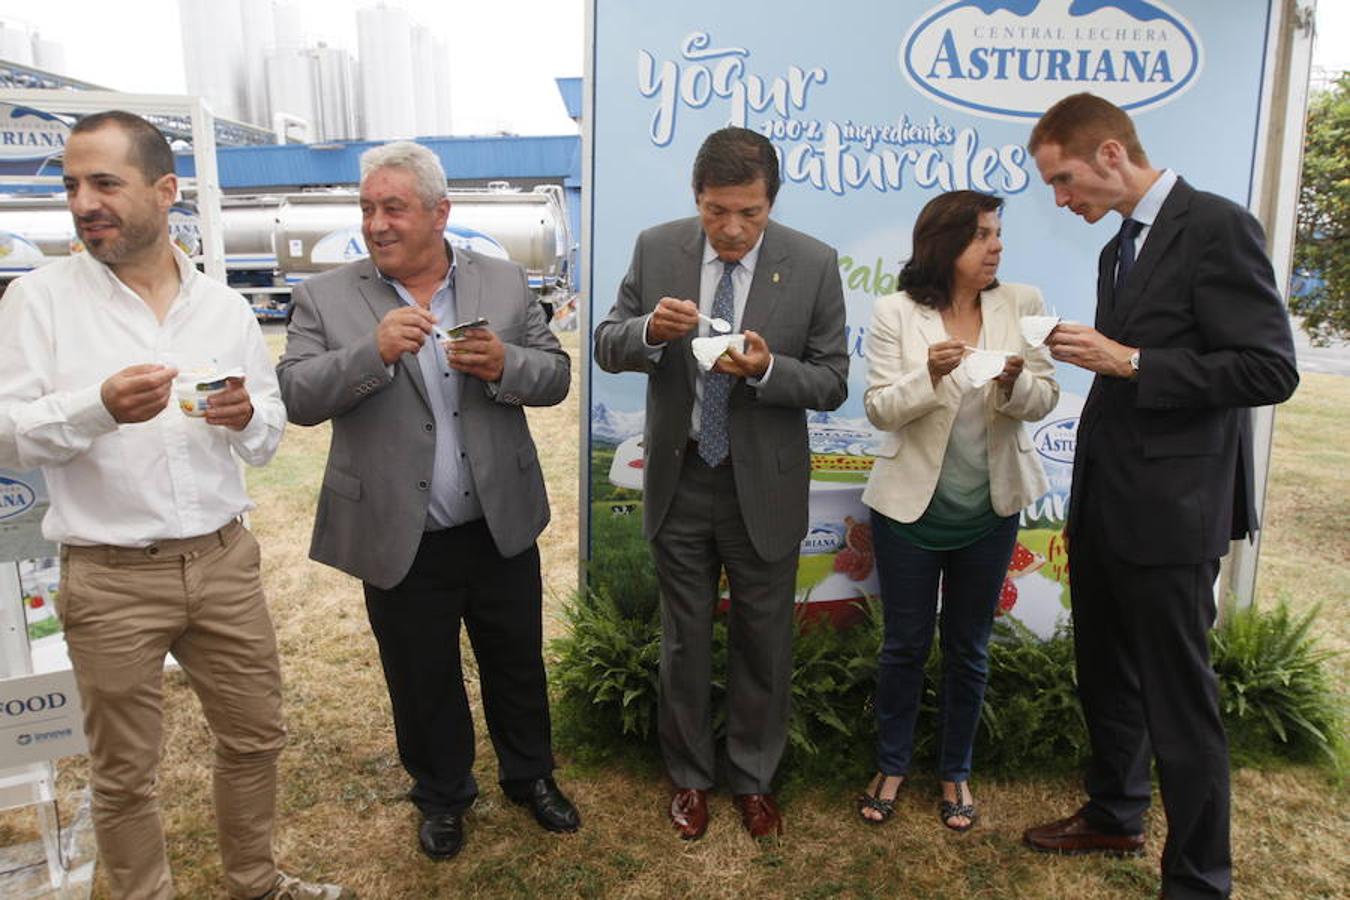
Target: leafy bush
831 726
1276 697
1274 692
1031 717
606 673
607 678
1321 248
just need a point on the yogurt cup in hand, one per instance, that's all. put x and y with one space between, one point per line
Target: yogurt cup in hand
193 388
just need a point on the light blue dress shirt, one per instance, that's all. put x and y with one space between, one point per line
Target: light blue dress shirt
454 497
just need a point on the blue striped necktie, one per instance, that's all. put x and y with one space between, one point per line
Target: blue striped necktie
713 439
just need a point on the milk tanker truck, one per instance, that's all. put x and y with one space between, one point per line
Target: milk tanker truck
275 241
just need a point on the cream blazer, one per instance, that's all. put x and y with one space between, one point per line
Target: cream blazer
917 419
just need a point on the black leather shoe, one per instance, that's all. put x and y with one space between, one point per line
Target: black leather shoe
551 808
441 835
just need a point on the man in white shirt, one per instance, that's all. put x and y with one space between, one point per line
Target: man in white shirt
146 504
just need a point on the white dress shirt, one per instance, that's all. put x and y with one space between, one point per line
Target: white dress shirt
709 275
68 326
1148 207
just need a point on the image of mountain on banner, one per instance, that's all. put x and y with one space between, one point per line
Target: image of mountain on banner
613 426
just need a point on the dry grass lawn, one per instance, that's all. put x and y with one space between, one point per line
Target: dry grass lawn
344 817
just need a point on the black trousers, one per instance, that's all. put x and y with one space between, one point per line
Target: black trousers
457 576
1148 690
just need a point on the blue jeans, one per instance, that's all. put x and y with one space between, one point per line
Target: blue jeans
909 577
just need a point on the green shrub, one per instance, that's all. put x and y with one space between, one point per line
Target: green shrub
1274 692
831 726
607 669
1277 699
606 672
1031 718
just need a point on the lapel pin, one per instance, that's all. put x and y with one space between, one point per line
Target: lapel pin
775 277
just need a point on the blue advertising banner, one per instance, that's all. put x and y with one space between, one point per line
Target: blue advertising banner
30 140
875 108
23 503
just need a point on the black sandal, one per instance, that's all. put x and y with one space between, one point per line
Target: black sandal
948 810
872 799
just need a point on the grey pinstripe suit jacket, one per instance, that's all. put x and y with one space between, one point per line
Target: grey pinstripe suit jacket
796 303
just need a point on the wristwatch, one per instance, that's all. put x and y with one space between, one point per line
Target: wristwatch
1134 364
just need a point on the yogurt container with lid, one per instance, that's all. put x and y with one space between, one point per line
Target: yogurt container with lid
193 387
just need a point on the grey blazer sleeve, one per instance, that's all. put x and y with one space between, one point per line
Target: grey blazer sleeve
536 370
620 344
319 383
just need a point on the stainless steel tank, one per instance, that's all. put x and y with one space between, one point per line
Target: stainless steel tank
43 223
319 231
276 240
248 224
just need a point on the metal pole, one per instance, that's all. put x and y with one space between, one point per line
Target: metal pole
208 189
1274 201
584 302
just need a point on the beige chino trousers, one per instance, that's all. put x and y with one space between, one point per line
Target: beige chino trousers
200 598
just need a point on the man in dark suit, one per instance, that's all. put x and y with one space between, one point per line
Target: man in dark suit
1190 334
433 495
727 463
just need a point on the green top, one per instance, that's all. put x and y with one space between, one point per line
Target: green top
960 512
943 527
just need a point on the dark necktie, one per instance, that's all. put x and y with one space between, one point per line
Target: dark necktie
713 439
1129 230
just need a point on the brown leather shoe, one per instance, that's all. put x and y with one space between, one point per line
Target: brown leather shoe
1077 835
689 812
759 814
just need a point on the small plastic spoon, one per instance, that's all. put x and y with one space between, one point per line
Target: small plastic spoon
719 325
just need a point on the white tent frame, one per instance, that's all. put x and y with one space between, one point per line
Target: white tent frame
203 146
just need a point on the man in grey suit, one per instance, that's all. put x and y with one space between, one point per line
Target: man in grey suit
727 463
433 495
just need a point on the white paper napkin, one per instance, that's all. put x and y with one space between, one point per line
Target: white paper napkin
982 366
707 349
1035 329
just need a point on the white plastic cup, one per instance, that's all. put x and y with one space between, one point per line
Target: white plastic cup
194 389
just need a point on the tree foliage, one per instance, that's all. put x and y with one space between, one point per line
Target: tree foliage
1322 248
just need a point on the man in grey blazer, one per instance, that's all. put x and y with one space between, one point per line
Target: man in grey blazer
727 463
433 495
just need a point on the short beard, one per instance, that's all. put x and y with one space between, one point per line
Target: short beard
134 239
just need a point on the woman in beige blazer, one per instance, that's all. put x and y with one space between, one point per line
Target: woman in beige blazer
953 470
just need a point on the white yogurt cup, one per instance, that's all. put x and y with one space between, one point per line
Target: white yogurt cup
193 388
